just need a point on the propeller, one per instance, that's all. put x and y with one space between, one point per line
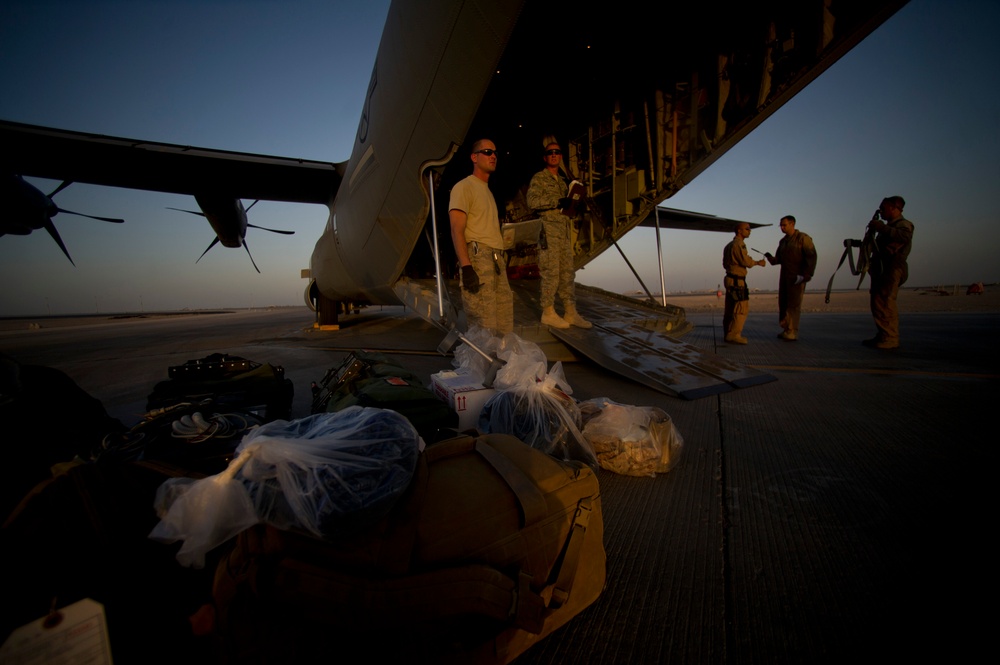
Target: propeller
243 240
31 205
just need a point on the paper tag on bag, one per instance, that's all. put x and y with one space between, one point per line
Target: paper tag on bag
75 634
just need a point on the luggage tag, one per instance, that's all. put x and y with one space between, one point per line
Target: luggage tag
75 634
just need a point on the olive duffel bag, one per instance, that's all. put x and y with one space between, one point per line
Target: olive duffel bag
493 546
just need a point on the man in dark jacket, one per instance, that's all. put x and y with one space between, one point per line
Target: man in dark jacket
796 255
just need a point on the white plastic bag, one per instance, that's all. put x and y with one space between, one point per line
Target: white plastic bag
203 513
328 474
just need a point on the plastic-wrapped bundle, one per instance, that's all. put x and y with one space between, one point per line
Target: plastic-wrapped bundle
535 405
327 474
631 440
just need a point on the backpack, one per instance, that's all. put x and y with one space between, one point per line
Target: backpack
226 382
372 379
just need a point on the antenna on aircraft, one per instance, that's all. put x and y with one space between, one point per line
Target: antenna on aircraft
32 210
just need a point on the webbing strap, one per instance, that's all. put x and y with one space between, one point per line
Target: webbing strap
533 504
327 595
865 250
847 255
570 560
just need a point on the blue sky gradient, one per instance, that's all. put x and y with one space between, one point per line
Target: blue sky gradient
914 110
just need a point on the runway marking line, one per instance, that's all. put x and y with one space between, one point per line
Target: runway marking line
871 370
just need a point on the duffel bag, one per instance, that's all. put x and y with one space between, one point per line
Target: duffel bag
493 546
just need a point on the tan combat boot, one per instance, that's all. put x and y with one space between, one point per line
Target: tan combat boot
550 318
575 319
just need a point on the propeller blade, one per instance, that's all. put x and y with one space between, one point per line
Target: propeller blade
200 214
213 244
113 220
262 228
64 185
50 227
250 255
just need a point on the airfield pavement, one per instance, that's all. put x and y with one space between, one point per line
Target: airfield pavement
923 299
840 513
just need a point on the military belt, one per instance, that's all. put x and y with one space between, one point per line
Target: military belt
499 256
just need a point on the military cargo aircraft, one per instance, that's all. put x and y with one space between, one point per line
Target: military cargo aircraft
642 98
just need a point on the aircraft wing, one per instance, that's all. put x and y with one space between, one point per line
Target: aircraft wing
671 218
58 154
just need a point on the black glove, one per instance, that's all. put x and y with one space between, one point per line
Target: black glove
563 203
470 280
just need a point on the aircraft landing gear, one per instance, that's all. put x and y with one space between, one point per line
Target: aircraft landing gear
327 311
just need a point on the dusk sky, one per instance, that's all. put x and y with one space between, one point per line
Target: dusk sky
913 110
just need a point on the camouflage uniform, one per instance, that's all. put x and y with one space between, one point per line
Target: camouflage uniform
889 271
797 256
493 305
555 262
736 260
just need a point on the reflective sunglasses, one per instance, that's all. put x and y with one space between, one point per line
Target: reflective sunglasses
553 152
489 152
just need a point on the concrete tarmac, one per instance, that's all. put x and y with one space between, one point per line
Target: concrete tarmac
838 514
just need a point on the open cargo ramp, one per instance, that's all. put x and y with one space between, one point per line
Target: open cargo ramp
625 340
636 339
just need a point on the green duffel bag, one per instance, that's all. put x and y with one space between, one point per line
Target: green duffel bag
382 383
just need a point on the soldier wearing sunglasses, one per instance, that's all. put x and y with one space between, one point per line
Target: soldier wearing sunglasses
475 232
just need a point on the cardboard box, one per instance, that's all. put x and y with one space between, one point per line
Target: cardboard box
463 391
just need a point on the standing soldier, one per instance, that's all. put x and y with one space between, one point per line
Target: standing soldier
475 232
737 261
796 255
547 197
888 269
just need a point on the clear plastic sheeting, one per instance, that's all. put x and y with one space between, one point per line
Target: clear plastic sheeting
534 404
631 440
328 474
